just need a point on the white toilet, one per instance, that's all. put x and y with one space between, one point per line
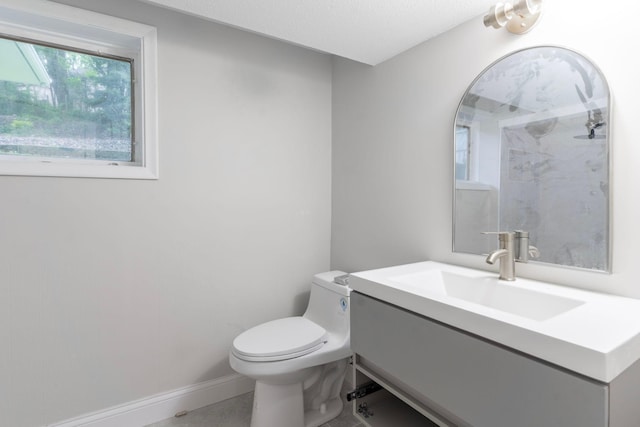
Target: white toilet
299 363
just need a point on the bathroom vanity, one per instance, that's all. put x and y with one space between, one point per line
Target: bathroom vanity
456 347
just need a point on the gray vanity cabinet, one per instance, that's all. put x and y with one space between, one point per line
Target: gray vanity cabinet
471 382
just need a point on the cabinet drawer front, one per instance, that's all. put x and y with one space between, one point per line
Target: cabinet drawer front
481 384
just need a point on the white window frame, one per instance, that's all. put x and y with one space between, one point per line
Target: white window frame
63 25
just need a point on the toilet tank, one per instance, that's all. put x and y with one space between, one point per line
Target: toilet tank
329 304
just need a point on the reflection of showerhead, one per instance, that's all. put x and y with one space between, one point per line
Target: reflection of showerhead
594 121
592 135
592 129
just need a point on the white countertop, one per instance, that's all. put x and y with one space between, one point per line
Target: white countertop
598 338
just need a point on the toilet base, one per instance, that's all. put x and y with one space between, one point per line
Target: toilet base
282 406
310 400
316 418
277 405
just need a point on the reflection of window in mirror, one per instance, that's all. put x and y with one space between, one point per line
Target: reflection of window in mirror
463 152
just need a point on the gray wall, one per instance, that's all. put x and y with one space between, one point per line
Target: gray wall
114 290
393 133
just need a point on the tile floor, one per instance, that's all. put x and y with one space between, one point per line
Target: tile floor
236 412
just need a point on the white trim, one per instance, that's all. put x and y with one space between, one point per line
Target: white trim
156 408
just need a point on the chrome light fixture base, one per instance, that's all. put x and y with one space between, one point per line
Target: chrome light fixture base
519 17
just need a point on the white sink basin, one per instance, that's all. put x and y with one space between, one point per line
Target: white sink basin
596 335
490 292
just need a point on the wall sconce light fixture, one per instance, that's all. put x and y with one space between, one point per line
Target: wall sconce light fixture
519 16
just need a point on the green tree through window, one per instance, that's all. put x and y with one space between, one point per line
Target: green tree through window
64 103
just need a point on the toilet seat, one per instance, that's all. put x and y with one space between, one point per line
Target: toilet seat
279 339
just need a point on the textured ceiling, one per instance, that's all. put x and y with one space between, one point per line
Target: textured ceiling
368 31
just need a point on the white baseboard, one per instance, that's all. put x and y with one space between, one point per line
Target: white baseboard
165 405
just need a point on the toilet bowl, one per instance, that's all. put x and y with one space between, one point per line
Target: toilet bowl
299 363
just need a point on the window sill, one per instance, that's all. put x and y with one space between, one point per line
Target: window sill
74 170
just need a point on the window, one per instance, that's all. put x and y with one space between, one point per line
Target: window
463 151
77 93
63 104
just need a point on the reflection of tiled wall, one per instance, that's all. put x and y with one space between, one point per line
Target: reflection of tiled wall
555 186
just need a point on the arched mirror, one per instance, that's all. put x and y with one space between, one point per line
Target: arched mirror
531 153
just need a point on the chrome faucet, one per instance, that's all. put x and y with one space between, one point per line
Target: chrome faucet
505 253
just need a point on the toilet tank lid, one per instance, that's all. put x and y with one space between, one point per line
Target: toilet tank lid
322 278
326 280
